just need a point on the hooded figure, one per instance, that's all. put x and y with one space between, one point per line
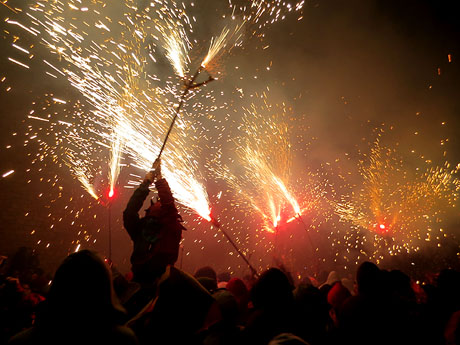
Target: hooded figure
155 236
80 308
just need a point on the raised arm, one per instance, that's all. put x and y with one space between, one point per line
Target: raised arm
131 212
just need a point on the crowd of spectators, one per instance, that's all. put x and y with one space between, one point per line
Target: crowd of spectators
88 301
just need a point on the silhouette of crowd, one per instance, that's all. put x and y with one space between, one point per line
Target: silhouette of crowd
88 301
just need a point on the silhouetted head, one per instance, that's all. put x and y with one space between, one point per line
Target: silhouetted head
206 271
272 290
228 305
368 278
400 285
238 289
82 291
337 295
287 339
448 279
448 284
224 277
208 283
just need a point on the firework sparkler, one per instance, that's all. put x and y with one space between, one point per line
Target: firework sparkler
265 154
398 210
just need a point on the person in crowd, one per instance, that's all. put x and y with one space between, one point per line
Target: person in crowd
239 290
171 306
223 278
287 339
157 235
226 331
207 277
18 305
80 307
312 313
336 296
273 311
383 311
443 301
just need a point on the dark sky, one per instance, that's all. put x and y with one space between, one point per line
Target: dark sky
348 67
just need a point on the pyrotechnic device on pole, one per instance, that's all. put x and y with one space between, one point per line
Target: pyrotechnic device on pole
227 236
189 85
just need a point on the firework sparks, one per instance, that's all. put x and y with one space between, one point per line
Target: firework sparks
398 209
216 46
127 99
264 152
8 173
175 54
80 170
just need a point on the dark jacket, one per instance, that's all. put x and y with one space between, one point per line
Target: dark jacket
155 238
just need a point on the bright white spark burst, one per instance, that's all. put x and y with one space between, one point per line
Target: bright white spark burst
112 61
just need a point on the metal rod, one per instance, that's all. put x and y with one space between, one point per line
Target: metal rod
188 86
217 225
110 232
299 218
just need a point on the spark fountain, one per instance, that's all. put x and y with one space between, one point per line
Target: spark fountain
396 210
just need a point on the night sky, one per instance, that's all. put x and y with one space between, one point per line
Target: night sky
348 70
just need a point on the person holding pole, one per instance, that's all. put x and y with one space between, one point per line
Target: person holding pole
155 236
169 299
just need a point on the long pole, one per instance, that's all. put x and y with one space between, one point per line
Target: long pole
276 244
299 218
110 232
188 86
217 225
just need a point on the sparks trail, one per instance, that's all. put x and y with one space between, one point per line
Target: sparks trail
264 151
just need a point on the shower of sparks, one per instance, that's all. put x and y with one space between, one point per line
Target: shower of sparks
217 46
189 191
173 26
397 210
264 152
256 13
81 172
175 54
109 74
263 13
113 56
269 190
